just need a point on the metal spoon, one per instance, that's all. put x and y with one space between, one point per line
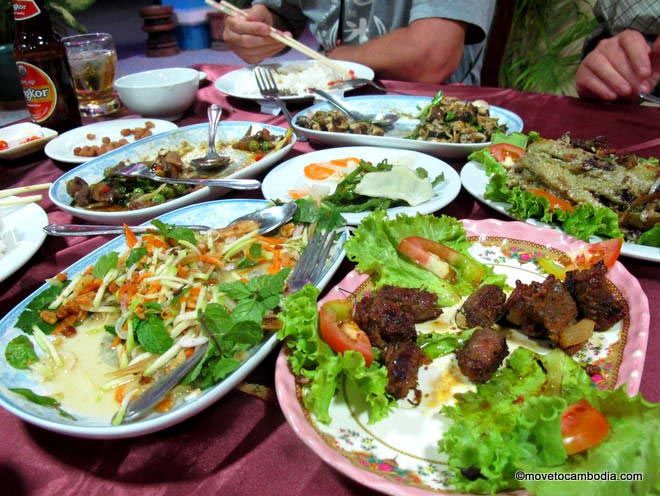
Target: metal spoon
381 120
141 405
140 169
269 219
649 98
213 160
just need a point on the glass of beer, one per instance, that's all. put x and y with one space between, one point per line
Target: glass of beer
93 62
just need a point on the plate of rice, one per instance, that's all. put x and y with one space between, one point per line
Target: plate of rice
293 78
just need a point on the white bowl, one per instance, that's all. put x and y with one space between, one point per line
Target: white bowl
163 93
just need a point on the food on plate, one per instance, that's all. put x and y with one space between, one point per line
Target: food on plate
293 78
519 400
6 145
581 185
106 334
450 120
445 120
360 185
107 144
115 192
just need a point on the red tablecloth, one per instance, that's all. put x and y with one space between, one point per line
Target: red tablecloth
242 445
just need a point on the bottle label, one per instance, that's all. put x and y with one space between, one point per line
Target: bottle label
40 92
25 9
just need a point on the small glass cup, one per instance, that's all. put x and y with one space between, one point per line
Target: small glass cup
93 62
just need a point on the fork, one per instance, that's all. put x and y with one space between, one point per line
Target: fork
312 261
270 92
140 169
649 98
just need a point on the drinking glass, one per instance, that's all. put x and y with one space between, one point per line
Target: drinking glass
93 62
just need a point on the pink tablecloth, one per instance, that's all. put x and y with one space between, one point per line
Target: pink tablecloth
242 445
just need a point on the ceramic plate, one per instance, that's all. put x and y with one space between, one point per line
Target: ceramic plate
61 149
15 134
21 230
215 214
147 148
241 83
289 176
408 107
398 455
475 180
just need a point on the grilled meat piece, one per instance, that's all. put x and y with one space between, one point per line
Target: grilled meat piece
482 354
542 310
483 307
403 361
594 298
421 305
384 321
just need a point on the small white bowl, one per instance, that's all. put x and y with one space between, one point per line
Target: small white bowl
14 135
164 93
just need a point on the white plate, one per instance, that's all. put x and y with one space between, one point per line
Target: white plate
61 149
408 107
16 132
241 83
475 180
290 176
148 148
21 227
215 214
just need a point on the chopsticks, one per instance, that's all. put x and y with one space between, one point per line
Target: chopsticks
22 200
232 10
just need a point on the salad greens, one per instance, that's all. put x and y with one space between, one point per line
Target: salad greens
19 353
513 422
308 212
311 358
46 401
435 344
373 247
583 221
30 316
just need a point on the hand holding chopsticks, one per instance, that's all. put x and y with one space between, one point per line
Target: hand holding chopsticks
232 10
22 200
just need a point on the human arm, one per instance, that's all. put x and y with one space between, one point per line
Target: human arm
621 66
428 50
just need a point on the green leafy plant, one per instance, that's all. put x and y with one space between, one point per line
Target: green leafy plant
544 46
61 13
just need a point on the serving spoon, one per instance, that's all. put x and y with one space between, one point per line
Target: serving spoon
213 160
140 169
268 219
385 121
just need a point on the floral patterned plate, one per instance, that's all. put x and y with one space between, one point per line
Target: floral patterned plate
399 454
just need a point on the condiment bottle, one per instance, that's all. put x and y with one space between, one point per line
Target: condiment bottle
43 68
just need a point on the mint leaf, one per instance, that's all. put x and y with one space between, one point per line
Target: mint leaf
42 400
105 264
217 319
268 285
249 310
136 255
421 172
153 336
254 254
46 297
223 367
30 316
19 353
176 233
236 290
110 329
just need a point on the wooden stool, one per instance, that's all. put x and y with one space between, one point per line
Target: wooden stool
160 26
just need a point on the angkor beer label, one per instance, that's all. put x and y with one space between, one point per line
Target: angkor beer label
25 9
40 92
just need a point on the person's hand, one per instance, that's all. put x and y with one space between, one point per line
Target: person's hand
619 67
249 38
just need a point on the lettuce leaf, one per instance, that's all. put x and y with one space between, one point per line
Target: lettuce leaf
373 248
588 220
310 357
651 237
513 422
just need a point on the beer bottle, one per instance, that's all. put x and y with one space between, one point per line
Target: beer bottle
43 68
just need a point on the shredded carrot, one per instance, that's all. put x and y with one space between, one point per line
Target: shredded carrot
113 287
61 276
165 405
211 260
119 393
151 242
115 342
276 265
139 311
131 239
272 240
182 271
68 321
89 269
92 285
189 351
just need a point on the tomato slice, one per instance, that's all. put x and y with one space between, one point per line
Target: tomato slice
556 203
3 145
503 151
607 251
338 329
582 427
440 259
